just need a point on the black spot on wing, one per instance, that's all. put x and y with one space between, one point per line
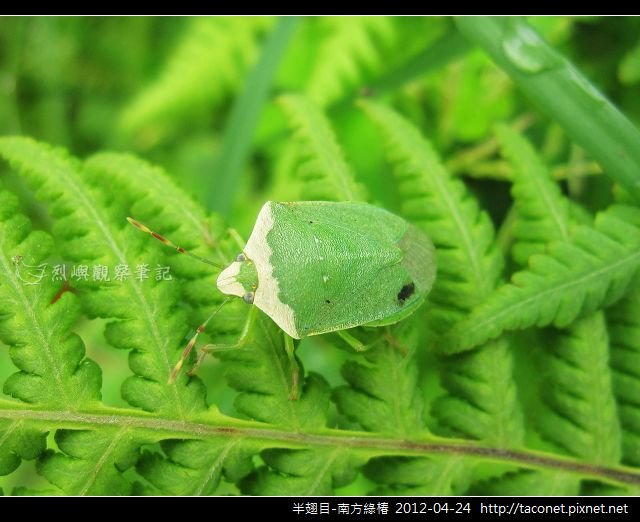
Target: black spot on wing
406 292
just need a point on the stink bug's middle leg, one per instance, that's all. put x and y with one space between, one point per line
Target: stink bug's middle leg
359 346
356 344
210 349
295 369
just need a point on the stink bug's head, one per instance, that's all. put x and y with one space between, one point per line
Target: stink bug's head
239 278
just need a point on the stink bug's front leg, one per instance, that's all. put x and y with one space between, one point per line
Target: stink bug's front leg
191 344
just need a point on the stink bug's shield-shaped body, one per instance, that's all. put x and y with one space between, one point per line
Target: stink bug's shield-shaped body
318 267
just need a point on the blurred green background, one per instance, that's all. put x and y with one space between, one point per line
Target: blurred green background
166 88
198 96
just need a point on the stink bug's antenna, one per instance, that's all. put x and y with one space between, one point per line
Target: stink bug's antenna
168 243
192 343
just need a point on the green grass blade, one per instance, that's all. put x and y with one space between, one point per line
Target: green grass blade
563 93
236 143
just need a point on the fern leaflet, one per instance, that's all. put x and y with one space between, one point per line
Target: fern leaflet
482 401
324 172
576 278
624 328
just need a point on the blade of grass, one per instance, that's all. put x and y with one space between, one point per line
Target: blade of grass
443 51
236 142
563 93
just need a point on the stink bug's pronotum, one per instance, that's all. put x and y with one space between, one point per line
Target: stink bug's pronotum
316 267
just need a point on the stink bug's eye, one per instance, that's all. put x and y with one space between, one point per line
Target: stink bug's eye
241 258
248 297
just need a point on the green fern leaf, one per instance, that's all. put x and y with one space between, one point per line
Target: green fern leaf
302 472
533 482
413 476
280 446
17 442
261 372
352 46
356 52
481 392
581 416
154 199
262 375
482 401
543 213
206 67
624 328
469 264
383 395
90 462
53 368
576 278
52 363
324 172
83 220
196 467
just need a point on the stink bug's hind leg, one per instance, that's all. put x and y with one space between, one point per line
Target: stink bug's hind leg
295 369
393 342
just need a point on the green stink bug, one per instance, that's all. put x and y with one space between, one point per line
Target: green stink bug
316 267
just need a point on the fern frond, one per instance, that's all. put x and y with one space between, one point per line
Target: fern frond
624 329
544 483
302 472
51 359
148 321
153 198
416 476
205 68
359 52
196 467
383 394
323 170
576 278
543 213
53 368
469 264
91 462
351 48
581 415
261 372
481 401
